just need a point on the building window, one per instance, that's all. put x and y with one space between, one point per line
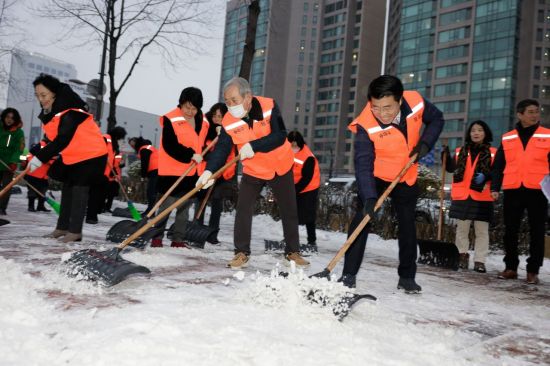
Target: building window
306 7
536 72
452 52
454 34
455 17
448 3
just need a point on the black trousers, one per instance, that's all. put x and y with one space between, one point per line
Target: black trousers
403 199
285 195
516 201
6 177
96 197
151 190
73 208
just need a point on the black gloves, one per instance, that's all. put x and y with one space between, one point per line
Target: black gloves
422 149
368 207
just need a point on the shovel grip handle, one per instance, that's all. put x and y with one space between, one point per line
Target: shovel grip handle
171 189
174 205
367 217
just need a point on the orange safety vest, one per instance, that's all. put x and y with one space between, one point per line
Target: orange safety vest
392 149
116 166
153 158
527 166
263 165
187 137
110 156
461 190
87 142
299 158
42 171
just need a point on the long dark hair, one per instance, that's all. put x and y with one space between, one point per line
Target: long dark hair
216 107
295 136
16 118
488 133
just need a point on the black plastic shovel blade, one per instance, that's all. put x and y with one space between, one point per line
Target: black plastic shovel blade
438 253
4 222
343 307
107 267
123 229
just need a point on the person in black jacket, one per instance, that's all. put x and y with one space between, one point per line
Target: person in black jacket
149 168
117 134
74 134
393 127
471 197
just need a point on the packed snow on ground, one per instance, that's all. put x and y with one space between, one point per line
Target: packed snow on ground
192 310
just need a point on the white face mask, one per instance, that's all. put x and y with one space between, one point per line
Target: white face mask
237 111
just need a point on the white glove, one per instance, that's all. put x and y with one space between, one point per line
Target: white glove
218 130
34 164
197 158
205 179
246 151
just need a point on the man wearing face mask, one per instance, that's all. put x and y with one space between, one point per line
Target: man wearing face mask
387 134
256 126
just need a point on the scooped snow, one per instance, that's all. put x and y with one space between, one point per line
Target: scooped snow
192 310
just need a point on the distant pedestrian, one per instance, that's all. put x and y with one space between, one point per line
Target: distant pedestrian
117 135
521 163
149 158
73 134
307 180
470 193
12 144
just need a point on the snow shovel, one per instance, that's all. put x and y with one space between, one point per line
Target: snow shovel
14 181
133 211
439 253
108 266
344 305
53 204
3 222
195 232
122 229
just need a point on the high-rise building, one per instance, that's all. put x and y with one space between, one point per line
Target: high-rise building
474 59
315 58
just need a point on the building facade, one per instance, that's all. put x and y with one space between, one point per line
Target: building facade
474 59
315 58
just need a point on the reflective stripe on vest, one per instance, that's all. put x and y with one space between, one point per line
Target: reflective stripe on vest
262 165
153 158
87 142
299 158
527 166
187 137
391 147
461 190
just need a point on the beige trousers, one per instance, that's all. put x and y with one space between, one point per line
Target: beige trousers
481 230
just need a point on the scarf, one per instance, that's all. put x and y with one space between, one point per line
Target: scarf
483 163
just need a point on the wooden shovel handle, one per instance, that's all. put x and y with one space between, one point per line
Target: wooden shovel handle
14 181
367 217
171 189
174 205
24 181
441 195
204 201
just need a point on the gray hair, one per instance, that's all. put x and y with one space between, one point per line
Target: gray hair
242 84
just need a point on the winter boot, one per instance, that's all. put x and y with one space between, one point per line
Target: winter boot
409 285
240 260
347 280
508 274
464 261
31 205
57 233
71 237
532 278
297 258
156 243
480 267
41 207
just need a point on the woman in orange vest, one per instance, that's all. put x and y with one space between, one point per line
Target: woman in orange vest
182 140
225 185
38 179
74 135
470 193
149 158
117 134
307 179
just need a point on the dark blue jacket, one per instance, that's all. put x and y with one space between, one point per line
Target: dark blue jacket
365 153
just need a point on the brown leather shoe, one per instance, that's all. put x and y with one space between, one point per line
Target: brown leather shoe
508 274
532 278
70 237
57 233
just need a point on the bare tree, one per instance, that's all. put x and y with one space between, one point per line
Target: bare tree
250 40
173 29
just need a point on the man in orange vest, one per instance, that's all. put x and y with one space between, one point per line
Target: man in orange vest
521 163
256 126
387 135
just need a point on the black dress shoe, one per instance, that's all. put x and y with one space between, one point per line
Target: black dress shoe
43 209
91 221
